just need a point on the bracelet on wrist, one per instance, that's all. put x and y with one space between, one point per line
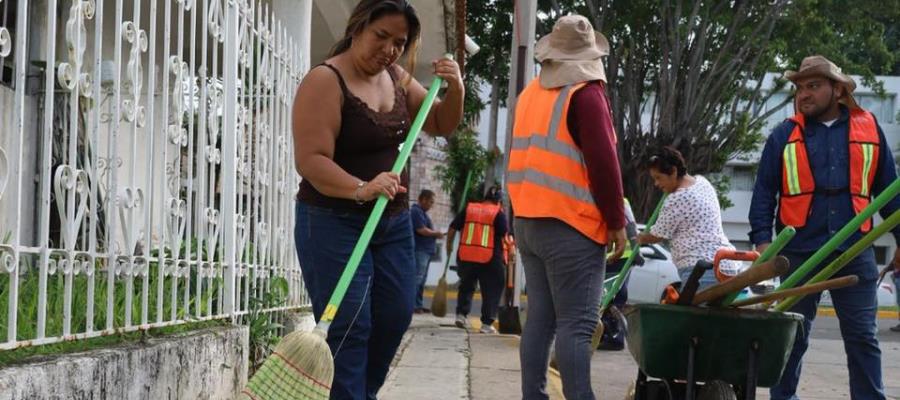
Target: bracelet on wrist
356 193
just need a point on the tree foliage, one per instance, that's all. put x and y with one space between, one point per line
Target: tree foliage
464 154
689 73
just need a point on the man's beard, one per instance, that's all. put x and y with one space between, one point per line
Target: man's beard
814 115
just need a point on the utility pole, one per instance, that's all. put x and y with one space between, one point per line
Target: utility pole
521 72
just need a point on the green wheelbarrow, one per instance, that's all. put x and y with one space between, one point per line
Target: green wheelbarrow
730 350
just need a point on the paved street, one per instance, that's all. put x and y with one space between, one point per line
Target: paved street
466 365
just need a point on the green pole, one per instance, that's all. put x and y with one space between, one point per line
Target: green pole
846 257
462 200
620 278
462 206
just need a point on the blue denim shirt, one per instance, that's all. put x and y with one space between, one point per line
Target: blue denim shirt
829 159
420 219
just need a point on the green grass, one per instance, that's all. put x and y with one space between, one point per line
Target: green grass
264 333
26 354
28 305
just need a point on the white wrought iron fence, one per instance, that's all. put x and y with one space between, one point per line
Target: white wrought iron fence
146 169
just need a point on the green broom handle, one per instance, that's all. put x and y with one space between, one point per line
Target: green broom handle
338 295
620 278
846 257
887 195
462 200
781 240
462 204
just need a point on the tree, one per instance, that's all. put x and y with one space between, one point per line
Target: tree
689 73
464 154
489 22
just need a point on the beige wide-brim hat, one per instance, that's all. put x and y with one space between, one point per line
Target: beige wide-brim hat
821 66
571 53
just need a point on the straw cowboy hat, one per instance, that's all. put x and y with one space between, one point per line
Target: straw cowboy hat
571 53
821 66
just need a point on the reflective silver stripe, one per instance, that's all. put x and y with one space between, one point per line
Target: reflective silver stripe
558 110
549 144
550 182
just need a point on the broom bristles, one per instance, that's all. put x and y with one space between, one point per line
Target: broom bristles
300 367
439 302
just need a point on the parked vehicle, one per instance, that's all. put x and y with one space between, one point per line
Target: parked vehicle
886 294
648 282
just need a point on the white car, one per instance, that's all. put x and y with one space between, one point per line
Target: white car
647 283
887 296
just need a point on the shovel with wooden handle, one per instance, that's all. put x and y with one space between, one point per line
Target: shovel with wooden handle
836 283
767 270
847 256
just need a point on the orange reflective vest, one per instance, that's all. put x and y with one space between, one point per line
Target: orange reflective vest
798 184
477 242
547 177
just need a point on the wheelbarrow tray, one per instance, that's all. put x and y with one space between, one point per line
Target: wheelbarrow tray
659 338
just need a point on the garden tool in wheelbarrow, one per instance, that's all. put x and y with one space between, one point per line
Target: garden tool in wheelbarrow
758 273
688 288
727 349
689 295
508 315
830 284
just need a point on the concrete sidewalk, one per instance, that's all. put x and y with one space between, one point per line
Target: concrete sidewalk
439 361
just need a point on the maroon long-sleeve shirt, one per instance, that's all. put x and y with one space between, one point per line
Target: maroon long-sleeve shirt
591 126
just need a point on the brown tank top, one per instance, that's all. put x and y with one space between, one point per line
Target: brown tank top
368 144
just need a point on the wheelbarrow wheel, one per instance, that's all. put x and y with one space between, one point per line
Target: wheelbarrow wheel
652 390
716 390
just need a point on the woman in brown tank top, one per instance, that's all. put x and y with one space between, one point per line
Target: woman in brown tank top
350 117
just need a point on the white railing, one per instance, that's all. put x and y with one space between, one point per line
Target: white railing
147 178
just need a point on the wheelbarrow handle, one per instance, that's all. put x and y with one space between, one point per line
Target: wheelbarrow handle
767 270
690 287
730 254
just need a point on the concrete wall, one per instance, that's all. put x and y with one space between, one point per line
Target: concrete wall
207 364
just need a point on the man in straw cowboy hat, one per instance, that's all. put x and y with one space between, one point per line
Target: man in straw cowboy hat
819 169
566 193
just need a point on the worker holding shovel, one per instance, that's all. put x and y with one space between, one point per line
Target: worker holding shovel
819 169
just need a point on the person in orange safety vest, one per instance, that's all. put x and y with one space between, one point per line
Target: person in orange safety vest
817 172
480 257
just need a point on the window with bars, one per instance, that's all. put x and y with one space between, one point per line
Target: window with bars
8 13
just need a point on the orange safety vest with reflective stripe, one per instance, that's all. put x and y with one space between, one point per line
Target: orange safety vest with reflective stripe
798 184
547 177
477 242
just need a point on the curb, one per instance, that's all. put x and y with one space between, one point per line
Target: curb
830 312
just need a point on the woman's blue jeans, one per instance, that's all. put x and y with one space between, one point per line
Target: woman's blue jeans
378 306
